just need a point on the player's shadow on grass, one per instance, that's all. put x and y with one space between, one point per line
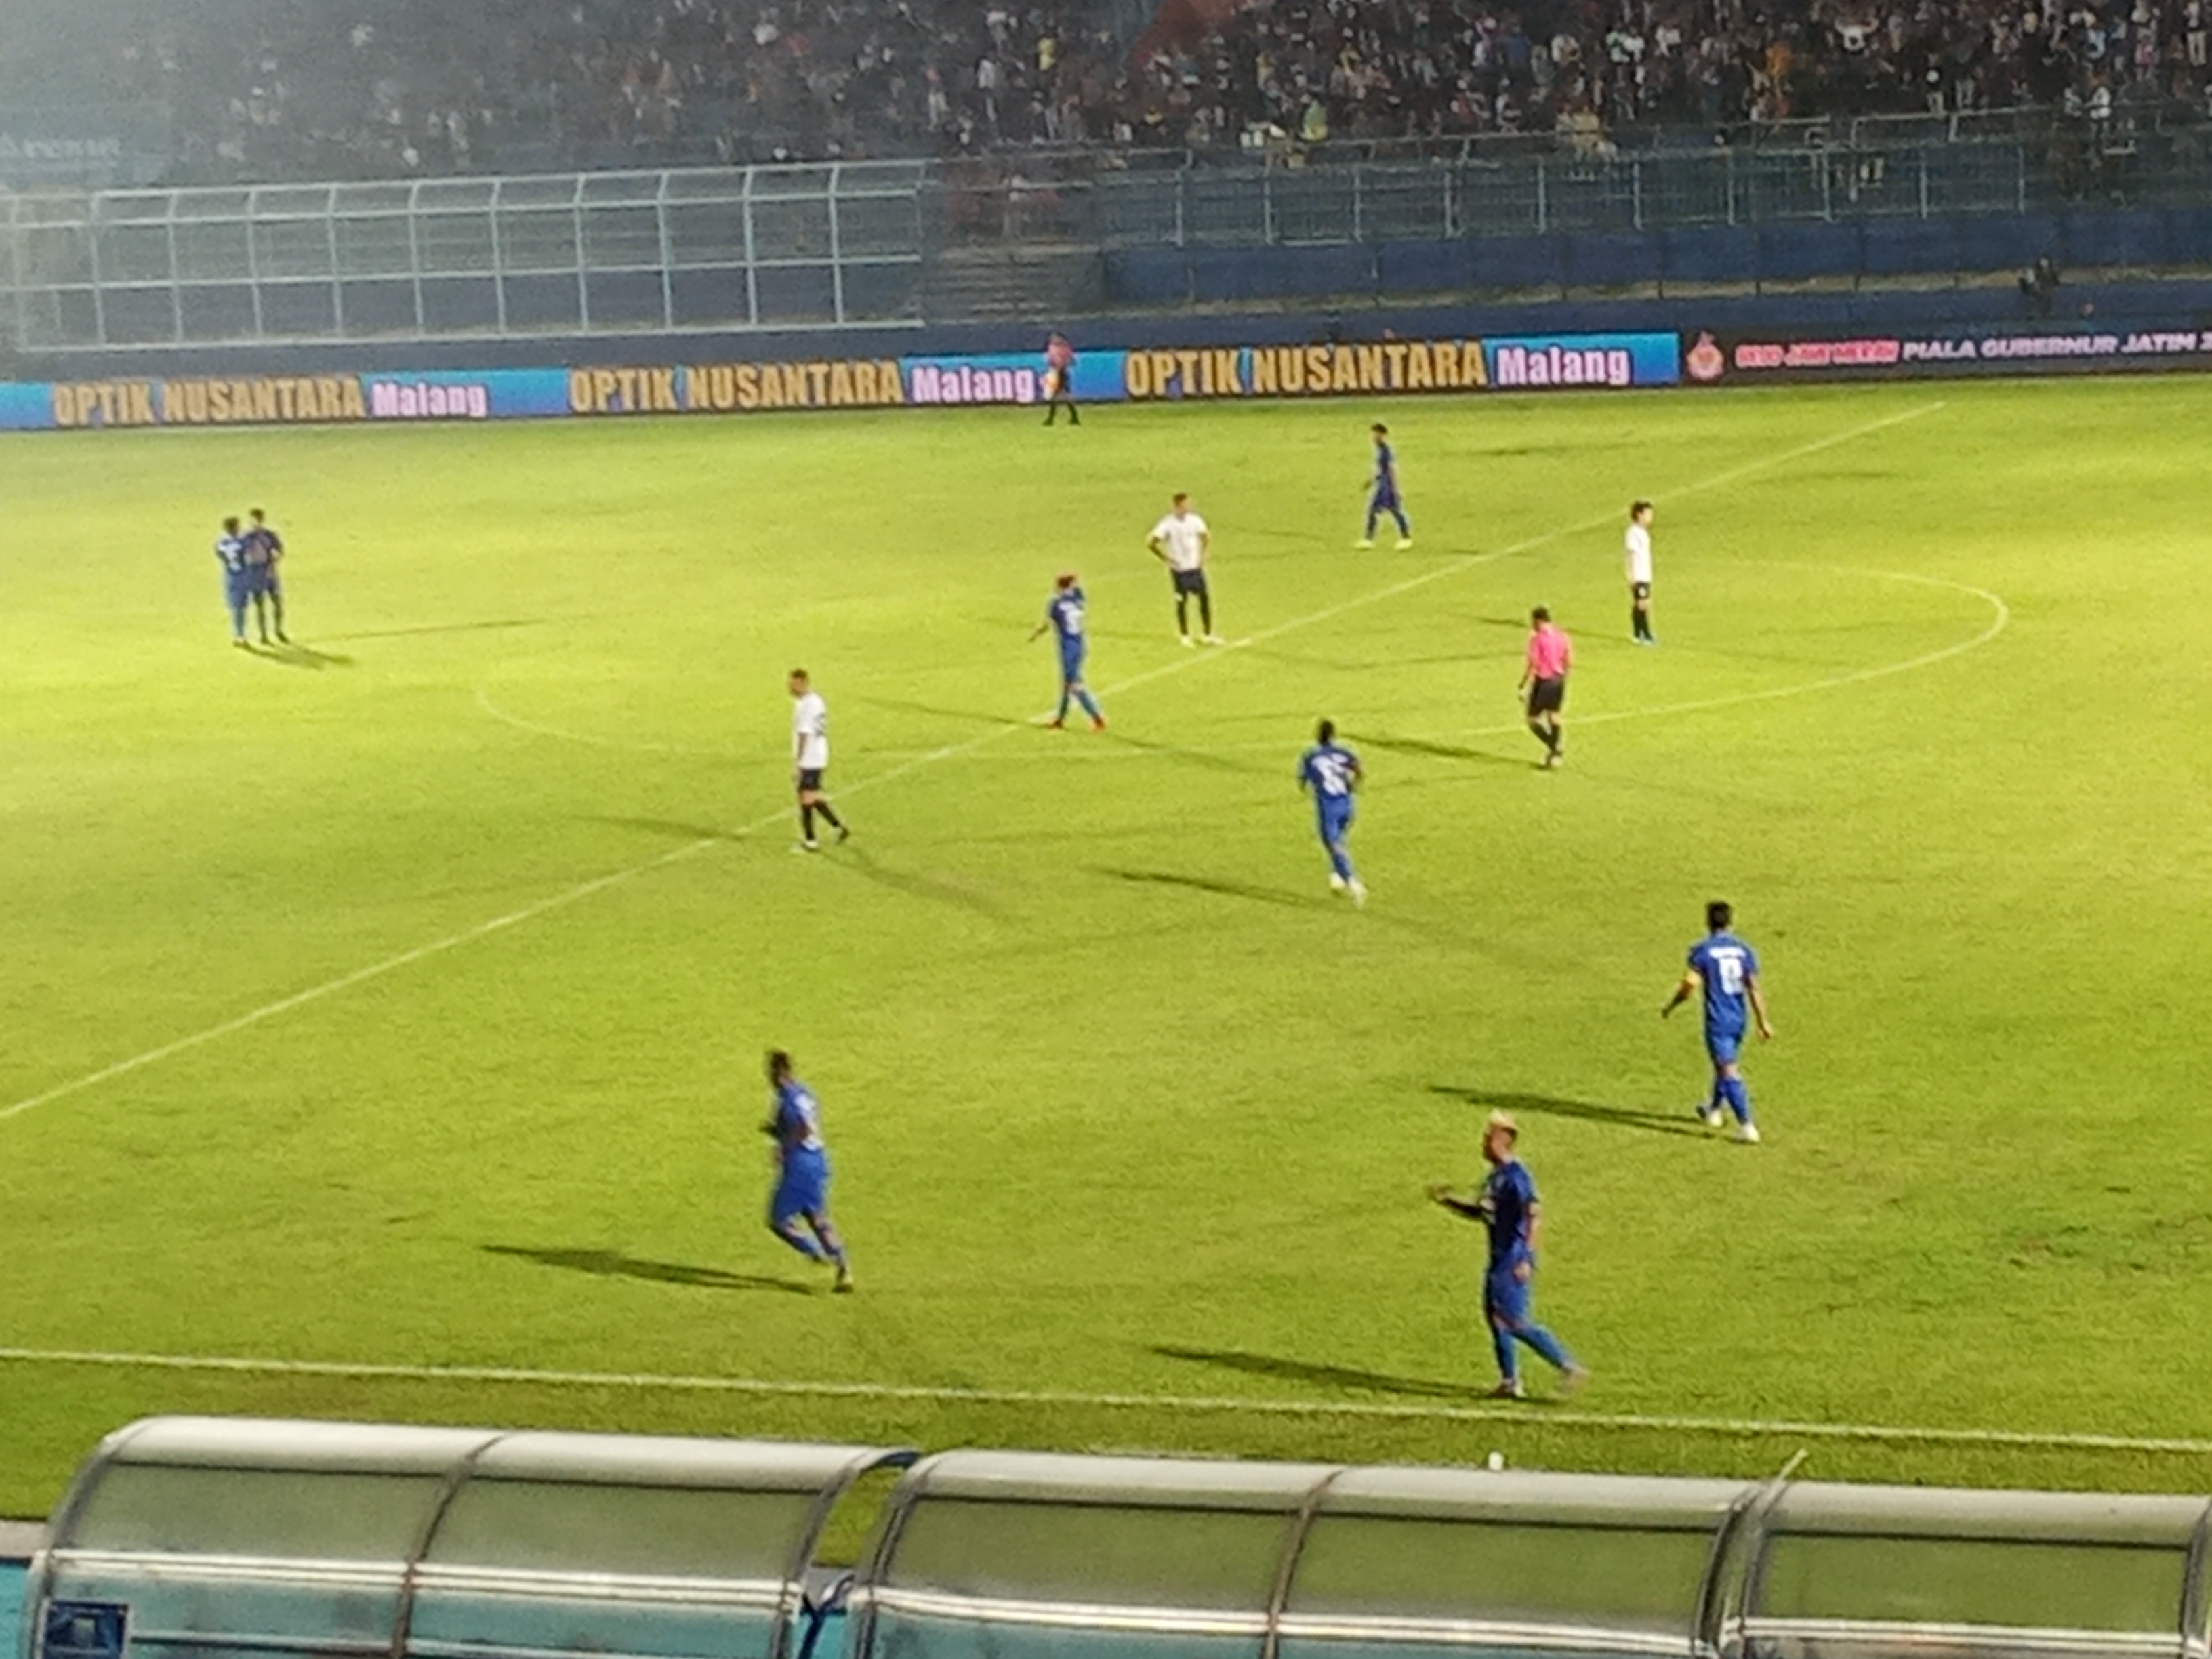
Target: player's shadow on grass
911 884
1205 757
1242 890
303 656
670 827
1438 750
1587 1111
441 628
1328 1376
613 1264
974 717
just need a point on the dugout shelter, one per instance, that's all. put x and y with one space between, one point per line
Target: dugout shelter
212 1539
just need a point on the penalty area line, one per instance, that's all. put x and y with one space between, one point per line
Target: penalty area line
1178 1404
616 878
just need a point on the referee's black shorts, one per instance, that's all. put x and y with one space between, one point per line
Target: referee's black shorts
1189 582
810 780
1639 592
1548 696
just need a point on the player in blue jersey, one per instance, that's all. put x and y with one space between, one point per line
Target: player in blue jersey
253 550
1385 497
1508 1211
237 579
1727 970
802 1185
263 534
1332 771
1063 617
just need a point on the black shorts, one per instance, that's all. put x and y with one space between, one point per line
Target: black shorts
1189 582
1639 592
1548 696
810 779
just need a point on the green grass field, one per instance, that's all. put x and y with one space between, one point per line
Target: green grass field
1123 1100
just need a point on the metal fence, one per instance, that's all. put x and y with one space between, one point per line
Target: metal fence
753 247
1384 200
833 245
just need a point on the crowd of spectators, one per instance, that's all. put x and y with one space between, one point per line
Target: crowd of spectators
1302 70
275 88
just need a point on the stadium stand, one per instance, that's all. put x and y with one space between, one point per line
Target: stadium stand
276 89
197 1534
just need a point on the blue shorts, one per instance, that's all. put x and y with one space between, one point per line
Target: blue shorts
1335 819
1724 1046
1071 666
1504 1297
1384 501
803 1188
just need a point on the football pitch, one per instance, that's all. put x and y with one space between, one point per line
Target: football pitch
387 1011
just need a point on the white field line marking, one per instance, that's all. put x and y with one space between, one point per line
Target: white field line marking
529 1377
2000 619
598 884
347 981
436 947
639 746
1595 522
1452 567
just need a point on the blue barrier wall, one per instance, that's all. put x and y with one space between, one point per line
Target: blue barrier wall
1620 342
2179 301
2142 238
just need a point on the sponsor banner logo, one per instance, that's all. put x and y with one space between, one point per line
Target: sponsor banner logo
1565 362
1369 366
226 400
1002 378
500 394
1303 371
735 387
822 383
1708 358
289 399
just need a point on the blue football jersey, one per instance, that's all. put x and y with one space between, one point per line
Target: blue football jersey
798 1117
1066 614
231 551
1725 966
1509 1196
1328 769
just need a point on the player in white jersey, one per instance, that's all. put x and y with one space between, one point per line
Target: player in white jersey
1636 559
1181 541
810 758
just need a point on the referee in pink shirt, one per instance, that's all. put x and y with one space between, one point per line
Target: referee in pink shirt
1544 678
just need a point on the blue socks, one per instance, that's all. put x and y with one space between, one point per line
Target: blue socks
1089 703
800 1242
1732 1090
1541 1341
1545 1344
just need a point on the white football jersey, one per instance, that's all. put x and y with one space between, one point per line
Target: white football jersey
1637 553
809 732
1182 539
